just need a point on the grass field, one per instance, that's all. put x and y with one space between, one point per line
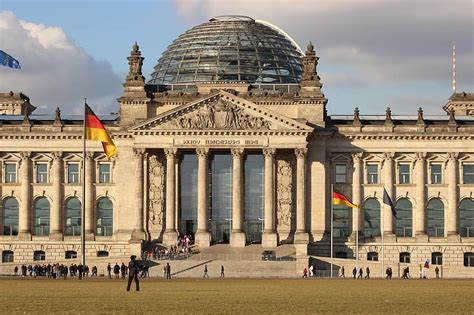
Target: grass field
244 296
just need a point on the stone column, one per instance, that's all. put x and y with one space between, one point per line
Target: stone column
269 237
57 196
301 235
237 238
420 212
25 206
388 222
138 232
89 197
170 235
451 216
203 238
357 199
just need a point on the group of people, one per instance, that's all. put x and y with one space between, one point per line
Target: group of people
120 271
182 249
360 274
55 271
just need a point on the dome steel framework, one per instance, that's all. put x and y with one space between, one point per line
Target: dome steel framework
230 48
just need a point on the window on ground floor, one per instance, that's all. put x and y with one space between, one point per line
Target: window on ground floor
7 256
436 258
70 254
102 253
466 217
469 259
405 258
39 255
435 210
104 223
373 256
10 216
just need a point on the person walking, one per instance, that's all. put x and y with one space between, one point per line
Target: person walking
437 272
168 271
361 273
109 270
305 272
222 271
367 273
117 271
354 272
343 275
123 270
206 275
133 270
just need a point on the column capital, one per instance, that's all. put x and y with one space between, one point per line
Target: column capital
57 155
420 156
237 152
138 152
269 152
25 155
89 155
388 156
452 156
202 152
356 156
301 153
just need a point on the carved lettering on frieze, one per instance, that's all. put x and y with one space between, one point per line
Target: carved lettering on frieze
220 115
285 192
156 186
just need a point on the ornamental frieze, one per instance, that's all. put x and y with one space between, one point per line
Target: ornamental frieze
156 188
285 191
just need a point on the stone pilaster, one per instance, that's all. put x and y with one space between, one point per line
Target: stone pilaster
357 199
56 179
203 238
170 235
301 235
25 206
89 197
237 238
388 222
420 212
451 229
269 237
138 232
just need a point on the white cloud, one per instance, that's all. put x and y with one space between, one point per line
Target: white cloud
55 72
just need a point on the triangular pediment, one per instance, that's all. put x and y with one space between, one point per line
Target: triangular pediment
221 111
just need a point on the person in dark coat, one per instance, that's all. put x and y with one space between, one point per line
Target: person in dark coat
367 272
123 270
361 273
354 272
133 269
168 271
117 271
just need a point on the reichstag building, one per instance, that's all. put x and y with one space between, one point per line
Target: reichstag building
230 141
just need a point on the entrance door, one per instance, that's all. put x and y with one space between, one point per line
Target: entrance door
253 231
220 231
221 197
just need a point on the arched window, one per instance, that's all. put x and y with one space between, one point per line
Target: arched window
7 256
404 218
405 257
10 216
469 259
104 212
102 253
466 217
341 255
435 208
70 254
42 216
373 256
437 258
341 221
371 217
73 217
39 255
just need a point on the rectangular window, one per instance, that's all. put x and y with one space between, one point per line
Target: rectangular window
404 174
104 173
10 172
468 173
436 174
41 173
341 173
73 173
372 174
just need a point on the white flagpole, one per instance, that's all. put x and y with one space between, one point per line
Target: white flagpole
382 231
357 247
83 210
332 218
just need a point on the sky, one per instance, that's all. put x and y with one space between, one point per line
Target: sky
373 53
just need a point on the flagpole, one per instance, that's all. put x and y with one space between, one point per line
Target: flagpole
382 231
332 219
83 210
357 245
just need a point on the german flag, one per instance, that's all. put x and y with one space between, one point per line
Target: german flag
95 130
340 199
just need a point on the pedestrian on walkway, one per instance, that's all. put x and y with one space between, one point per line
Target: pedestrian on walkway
133 270
222 271
206 275
342 273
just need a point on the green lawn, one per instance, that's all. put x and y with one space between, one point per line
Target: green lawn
238 296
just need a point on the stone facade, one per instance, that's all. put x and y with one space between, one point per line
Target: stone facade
304 153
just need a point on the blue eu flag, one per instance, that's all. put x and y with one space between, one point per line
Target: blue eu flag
388 202
8 61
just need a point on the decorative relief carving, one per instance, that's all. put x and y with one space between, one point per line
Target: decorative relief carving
356 157
452 156
156 188
301 153
237 152
285 193
138 152
220 114
270 152
171 153
202 152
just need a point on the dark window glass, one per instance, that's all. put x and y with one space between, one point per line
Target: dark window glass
436 174
341 220
188 193
254 197
404 217
42 216
468 174
466 217
371 217
437 258
102 253
404 173
70 254
372 174
104 173
405 257
39 255
7 256
373 256
469 259
41 173
73 173
10 173
104 224
435 209
221 197
341 173
73 217
10 216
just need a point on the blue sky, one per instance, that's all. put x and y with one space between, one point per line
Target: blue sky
374 54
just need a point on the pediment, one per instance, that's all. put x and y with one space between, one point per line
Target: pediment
221 111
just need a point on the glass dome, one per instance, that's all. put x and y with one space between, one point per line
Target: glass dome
230 48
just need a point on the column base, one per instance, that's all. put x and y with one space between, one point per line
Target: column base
389 237
301 237
136 248
237 239
24 236
453 237
352 237
269 239
56 236
170 237
138 235
203 239
421 237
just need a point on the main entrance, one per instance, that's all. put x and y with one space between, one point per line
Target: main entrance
220 181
